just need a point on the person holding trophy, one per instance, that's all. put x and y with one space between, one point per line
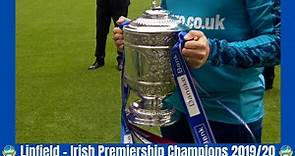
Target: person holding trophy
229 43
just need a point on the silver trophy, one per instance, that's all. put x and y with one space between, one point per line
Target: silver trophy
148 40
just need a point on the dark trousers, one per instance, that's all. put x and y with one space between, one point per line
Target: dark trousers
104 15
223 133
269 76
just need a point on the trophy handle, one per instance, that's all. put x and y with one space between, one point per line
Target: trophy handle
155 6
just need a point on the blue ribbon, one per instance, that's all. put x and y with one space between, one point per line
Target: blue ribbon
194 111
124 24
126 136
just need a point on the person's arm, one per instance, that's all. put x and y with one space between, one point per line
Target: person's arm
262 50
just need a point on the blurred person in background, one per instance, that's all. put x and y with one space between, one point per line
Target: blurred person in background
107 10
269 76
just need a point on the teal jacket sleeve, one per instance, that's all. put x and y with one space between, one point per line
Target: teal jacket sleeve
263 49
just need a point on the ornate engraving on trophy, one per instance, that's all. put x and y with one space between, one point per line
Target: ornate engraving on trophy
148 72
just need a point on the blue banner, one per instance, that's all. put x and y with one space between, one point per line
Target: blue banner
145 150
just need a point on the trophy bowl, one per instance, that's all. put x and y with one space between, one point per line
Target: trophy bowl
148 41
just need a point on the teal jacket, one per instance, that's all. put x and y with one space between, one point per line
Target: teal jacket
244 37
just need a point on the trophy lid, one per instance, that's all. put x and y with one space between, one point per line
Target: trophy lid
155 20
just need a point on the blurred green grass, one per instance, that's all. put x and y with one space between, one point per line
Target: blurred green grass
272 119
58 100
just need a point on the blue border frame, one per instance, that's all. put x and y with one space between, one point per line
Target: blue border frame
287 72
7 69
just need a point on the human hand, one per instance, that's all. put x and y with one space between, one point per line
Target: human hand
118 34
196 49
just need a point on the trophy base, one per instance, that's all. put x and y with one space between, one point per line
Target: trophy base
138 114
